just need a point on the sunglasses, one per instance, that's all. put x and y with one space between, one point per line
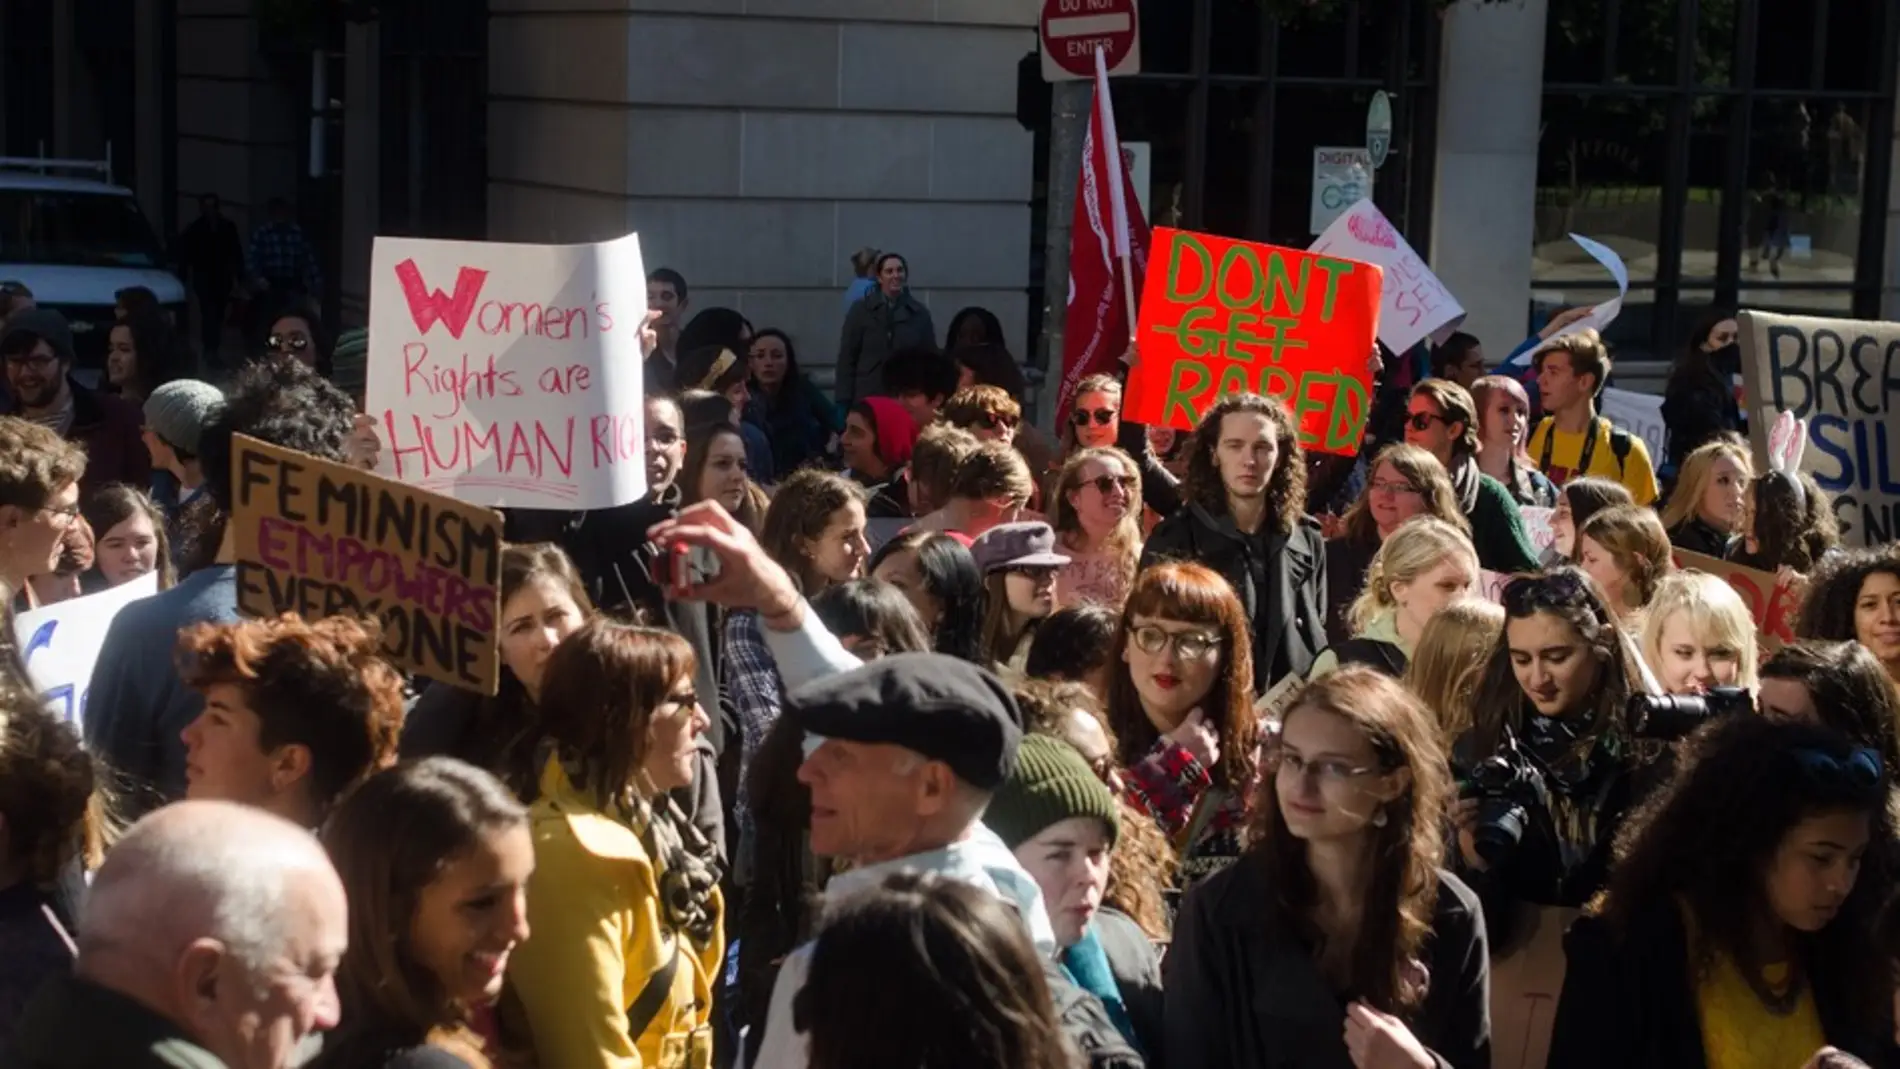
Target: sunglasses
1102 416
998 422
295 343
1107 483
1423 421
1037 572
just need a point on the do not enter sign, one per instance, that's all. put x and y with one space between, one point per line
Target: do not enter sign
1073 30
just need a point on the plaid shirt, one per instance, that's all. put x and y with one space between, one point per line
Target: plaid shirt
752 684
281 256
1166 784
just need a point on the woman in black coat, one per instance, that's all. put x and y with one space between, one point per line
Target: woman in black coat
1264 972
1699 400
1736 926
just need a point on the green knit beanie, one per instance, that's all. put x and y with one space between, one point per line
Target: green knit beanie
1052 783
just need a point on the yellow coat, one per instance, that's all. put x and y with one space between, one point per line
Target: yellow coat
597 934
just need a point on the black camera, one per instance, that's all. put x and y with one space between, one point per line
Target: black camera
1669 717
1507 786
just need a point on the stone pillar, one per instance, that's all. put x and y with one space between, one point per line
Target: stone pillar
1490 98
815 132
362 159
1890 288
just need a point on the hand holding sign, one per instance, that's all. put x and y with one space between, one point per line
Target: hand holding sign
1220 316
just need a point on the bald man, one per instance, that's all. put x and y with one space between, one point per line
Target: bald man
209 940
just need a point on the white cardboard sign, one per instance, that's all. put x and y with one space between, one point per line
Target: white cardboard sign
1638 413
1413 303
510 375
60 642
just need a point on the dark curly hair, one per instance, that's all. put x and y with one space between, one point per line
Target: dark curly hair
276 400
1850 688
1286 488
1395 920
1072 642
875 610
1794 522
47 785
1828 610
1704 839
321 685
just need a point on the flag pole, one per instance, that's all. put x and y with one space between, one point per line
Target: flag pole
1118 205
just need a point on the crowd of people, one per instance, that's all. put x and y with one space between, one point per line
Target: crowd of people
888 731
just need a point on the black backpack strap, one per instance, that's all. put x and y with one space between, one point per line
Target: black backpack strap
653 996
1620 448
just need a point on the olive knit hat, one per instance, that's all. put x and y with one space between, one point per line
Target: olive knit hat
1052 782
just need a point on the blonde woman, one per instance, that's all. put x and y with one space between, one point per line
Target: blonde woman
1699 634
1098 524
1448 661
1424 566
1626 551
1704 514
1404 481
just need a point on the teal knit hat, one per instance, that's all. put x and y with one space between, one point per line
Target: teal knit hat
1052 783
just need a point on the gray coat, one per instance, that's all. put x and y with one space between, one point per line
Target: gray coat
873 330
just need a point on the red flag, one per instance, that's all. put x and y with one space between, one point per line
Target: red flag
1108 254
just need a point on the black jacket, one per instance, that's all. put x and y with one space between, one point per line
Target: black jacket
1695 536
1242 994
1281 580
1629 1003
1696 408
1137 969
1346 564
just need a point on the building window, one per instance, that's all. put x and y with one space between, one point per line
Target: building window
1729 150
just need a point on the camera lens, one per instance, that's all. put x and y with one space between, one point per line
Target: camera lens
1499 829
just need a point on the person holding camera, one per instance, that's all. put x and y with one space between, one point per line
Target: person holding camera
1547 765
1735 928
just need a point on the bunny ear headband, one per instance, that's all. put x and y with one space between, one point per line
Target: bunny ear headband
1787 440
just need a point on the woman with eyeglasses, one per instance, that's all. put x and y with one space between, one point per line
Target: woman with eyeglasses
1095 422
1338 939
1735 931
1406 481
1443 419
1426 565
1097 517
1182 710
988 412
1019 563
1548 762
624 902
297 332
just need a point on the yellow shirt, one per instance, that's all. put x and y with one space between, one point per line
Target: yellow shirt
1566 452
1738 1032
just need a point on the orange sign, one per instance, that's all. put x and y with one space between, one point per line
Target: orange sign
1220 316
1770 601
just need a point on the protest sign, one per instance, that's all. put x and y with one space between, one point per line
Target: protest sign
1537 526
510 375
1342 177
1491 586
1414 305
322 539
1772 604
1843 377
1638 413
60 643
1220 316
1604 314
1526 980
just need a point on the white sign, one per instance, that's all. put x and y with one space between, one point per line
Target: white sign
1603 314
60 642
510 375
1638 413
1537 527
1342 177
1413 304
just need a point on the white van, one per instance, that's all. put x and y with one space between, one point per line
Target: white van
74 239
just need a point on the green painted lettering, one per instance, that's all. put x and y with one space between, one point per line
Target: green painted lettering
1234 257
1184 245
1335 269
1306 400
1183 393
1233 379
1276 341
1348 423
1281 289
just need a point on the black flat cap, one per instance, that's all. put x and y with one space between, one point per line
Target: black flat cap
945 709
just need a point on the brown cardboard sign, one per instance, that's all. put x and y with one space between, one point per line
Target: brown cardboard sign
319 539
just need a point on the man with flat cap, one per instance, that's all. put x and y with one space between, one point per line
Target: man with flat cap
902 756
